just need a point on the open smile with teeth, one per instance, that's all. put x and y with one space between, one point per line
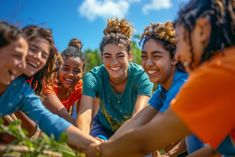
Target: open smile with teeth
115 68
151 71
69 80
33 64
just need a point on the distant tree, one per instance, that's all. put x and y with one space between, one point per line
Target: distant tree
136 51
93 59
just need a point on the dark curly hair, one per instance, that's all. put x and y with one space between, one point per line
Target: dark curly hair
221 15
117 32
46 73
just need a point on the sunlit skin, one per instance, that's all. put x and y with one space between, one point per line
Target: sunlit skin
71 72
116 59
191 54
39 50
13 60
141 141
157 63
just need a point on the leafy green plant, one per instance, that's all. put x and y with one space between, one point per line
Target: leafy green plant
35 147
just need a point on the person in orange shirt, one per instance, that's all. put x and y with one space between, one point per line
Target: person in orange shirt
66 90
204 106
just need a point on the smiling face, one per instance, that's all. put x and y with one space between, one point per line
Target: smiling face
157 63
116 59
71 72
12 60
39 50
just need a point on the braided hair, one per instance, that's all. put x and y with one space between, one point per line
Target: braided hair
117 31
46 73
221 15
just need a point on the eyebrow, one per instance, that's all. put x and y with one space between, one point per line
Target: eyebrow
106 53
153 52
37 47
120 53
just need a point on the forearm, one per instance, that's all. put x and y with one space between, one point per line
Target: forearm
118 148
206 151
165 128
84 122
78 139
142 118
177 148
64 114
141 103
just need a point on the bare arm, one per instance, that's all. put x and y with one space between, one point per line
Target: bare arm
146 139
141 102
177 148
206 151
53 103
138 120
78 139
85 113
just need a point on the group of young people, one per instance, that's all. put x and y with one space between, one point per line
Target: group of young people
191 60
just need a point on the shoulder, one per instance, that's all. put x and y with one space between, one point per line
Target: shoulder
95 74
20 84
180 77
78 86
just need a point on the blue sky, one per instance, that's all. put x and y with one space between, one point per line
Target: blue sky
85 19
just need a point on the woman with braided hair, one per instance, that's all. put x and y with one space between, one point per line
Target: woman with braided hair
205 40
158 50
66 90
122 87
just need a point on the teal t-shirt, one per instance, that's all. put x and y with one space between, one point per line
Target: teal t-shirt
116 108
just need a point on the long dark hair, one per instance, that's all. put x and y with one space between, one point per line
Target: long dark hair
46 73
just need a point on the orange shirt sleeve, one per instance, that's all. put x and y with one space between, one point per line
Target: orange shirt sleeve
75 95
206 103
48 90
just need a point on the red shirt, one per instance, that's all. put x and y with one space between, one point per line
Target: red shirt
74 96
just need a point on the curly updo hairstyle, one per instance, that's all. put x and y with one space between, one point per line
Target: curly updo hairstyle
164 33
118 32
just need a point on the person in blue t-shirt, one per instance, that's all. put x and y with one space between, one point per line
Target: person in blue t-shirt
121 86
158 48
17 95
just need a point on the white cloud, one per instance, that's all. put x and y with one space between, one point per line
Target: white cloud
157 5
92 9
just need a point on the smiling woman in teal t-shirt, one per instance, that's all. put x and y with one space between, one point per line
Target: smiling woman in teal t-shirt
122 87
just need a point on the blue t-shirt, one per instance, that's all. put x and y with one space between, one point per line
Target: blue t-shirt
161 98
116 108
19 96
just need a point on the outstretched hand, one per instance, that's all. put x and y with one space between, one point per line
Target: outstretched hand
93 150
